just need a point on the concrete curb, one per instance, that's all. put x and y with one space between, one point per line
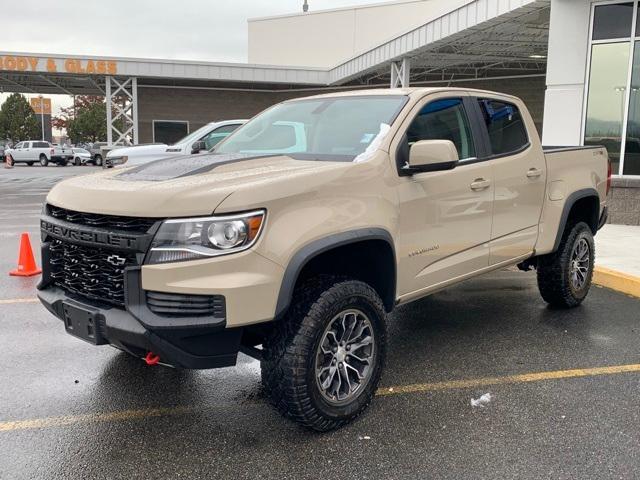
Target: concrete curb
615 280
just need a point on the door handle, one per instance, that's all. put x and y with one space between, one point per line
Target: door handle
534 173
479 184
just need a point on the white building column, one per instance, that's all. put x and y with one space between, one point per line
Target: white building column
400 71
567 59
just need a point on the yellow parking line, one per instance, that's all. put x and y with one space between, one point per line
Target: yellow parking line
9 301
51 422
509 379
124 415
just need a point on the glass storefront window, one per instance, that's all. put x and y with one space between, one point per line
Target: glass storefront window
632 141
612 21
606 99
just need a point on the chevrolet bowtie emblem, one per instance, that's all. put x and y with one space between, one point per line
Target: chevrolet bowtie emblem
116 260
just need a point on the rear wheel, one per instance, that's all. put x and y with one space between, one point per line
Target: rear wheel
564 277
30 163
44 161
322 363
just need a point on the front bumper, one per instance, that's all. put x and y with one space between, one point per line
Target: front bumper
184 342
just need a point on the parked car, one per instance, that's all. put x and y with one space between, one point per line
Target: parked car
203 139
33 151
96 152
81 156
294 244
2 148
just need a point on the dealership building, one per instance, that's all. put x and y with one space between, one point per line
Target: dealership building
575 63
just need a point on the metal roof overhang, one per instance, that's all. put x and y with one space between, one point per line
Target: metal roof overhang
67 79
484 38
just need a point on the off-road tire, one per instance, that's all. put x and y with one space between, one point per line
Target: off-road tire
44 161
288 366
554 269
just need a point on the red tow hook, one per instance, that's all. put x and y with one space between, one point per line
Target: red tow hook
151 359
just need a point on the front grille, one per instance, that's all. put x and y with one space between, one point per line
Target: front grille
185 305
91 272
108 222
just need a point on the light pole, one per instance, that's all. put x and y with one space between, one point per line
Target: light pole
42 115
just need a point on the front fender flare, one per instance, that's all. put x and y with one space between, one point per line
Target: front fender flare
315 248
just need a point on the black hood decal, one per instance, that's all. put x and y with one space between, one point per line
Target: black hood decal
182 166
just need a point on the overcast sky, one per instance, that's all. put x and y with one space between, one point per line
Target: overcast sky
214 30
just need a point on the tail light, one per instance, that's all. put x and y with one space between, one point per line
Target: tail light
608 175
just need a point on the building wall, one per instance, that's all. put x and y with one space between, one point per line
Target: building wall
200 107
624 201
325 38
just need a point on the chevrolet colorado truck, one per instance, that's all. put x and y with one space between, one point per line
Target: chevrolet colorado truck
297 236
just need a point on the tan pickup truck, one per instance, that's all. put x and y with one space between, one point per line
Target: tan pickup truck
301 232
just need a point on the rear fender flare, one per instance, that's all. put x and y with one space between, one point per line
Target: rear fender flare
568 205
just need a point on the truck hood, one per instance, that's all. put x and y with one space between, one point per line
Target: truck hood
158 148
142 153
180 186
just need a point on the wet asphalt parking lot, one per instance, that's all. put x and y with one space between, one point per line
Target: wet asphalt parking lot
564 385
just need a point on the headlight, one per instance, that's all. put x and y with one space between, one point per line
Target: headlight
194 238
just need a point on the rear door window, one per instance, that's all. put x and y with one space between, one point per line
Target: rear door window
505 127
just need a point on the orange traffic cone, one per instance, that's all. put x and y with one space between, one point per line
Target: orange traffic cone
26 262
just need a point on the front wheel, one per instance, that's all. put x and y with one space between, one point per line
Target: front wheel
44 161
322 363
77 162
564 277
97 160
30 164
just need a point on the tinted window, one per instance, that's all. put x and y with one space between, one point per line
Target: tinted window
169 132
443 120
214 137
612 21
40 145
507 132
18 146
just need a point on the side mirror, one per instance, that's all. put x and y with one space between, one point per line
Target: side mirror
198 146
432 156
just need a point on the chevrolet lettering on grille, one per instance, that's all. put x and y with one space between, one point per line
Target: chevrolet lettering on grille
108 239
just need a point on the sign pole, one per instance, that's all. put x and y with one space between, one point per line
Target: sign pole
42 115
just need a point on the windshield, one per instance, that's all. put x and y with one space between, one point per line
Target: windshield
193 136
338 128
